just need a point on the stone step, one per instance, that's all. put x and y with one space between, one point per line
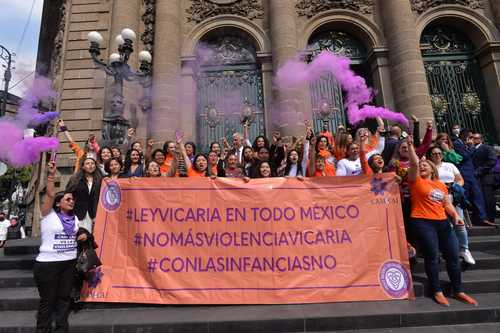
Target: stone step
467 328
474 282
24 261
272 318
489 259
484 243
22 246
26 298
14 278
483 231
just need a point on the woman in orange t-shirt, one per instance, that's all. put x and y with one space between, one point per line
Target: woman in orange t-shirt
318 163
199 167
429 209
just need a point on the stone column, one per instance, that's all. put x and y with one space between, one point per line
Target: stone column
166 70
409 83
125 14
288 112
495 9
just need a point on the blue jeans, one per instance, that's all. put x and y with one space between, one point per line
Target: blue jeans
475 196
461 231
435 236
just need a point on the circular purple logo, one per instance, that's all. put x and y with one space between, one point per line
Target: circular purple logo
111 197
394 279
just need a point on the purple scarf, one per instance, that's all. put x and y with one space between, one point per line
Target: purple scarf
68 222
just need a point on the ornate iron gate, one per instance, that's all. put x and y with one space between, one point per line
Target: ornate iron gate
326 94
229 83
455 82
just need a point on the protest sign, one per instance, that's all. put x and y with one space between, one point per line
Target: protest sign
269 241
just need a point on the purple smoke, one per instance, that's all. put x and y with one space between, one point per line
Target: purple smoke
16 150
296 72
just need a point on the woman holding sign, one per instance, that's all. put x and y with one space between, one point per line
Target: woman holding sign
429 208
54 267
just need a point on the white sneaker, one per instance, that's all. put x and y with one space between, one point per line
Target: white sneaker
467 256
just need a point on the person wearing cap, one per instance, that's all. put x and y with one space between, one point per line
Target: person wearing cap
15 230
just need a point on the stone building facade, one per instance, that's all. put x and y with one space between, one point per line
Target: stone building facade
214 61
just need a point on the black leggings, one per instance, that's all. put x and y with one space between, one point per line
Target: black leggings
54 281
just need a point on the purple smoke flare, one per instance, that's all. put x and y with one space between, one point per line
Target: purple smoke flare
16 150
296 72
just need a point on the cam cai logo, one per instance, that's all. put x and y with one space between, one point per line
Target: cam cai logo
111 197
436 195
378 186
394 279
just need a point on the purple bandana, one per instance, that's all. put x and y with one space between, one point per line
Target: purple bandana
68 222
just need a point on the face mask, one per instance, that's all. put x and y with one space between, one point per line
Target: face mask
456 131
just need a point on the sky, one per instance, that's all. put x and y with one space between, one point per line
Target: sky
14 17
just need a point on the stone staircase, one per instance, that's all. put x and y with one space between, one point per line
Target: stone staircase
19 300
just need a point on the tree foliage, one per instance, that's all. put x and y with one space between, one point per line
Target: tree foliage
22 176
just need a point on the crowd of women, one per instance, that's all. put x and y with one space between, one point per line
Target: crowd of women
440 180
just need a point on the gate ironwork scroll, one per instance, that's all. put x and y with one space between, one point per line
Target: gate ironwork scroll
455 82
229 83
326 94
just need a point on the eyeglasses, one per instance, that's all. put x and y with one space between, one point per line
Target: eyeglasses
436 154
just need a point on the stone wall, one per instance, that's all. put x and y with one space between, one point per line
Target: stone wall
281 28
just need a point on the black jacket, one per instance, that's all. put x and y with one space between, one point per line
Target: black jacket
85 201
484 159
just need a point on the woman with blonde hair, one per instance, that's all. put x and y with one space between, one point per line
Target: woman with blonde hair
429 208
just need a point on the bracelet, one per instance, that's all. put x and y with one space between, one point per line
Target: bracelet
63 129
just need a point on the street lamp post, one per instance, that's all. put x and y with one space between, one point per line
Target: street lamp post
6 56
115 126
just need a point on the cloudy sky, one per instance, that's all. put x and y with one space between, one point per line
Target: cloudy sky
14 19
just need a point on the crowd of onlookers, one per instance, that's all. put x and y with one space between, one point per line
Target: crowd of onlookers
447 184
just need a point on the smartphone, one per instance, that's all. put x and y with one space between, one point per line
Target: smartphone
53 156
179 135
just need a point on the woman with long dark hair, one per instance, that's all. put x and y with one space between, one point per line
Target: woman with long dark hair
133 164
54 268
429 208
190 150
86 187
104 155
113 168
248 160
199 167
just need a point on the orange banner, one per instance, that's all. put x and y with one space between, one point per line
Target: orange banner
270 241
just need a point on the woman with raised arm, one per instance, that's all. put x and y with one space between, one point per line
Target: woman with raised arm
294 166
54 268
199 166
318 164
429 208
91 146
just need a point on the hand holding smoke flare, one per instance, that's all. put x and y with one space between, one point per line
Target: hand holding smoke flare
16 150
296 72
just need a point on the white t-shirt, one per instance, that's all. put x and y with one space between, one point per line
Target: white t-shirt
447 172
346 167
56 244
4 225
